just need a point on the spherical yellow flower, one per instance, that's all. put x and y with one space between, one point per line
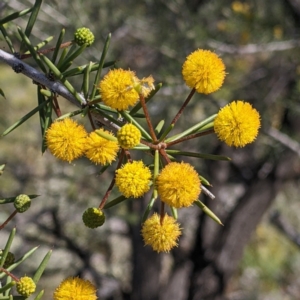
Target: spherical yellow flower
100 150
26 286
129 136
66 139
237 124
133 179
178 184
117 89
161 236
74 288
204 71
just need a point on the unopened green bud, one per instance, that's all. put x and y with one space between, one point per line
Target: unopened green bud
84 36
22 203
10 259
93 217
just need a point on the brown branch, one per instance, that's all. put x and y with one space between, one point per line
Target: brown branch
189 137
103 201
189 97
147 116
8 219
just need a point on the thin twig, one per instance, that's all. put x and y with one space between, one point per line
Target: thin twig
284 140
45 51
189 97
8 219
103 201
162 211
207 192
254 48
189 137
147 116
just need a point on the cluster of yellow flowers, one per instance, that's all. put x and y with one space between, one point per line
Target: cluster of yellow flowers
176 184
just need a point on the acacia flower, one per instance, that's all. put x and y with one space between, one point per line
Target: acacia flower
66 139
100 150
204 71
133 179
161 236
178 184
26 286
75 288
117 89
237 123
144 86
129 136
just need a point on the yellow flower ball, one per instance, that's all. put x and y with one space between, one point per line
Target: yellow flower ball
133 179
204 71
163 235
178 184
66 139
26 286
74 288
100 150
117 89
237 124
129 136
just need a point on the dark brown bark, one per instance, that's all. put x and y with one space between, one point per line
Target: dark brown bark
221 256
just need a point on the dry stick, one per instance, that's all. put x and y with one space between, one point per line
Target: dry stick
45 51
91 120
56 106
189 137
189 97
147 116
164 154
8 219
102 203
9 274
207 192
162 211
53 86
128 155
42 79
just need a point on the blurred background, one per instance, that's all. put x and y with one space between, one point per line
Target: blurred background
256 254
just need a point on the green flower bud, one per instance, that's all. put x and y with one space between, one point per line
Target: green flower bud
10 259
84 36
22 203
93 217
25 286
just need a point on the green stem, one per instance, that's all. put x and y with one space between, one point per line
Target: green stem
191 130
